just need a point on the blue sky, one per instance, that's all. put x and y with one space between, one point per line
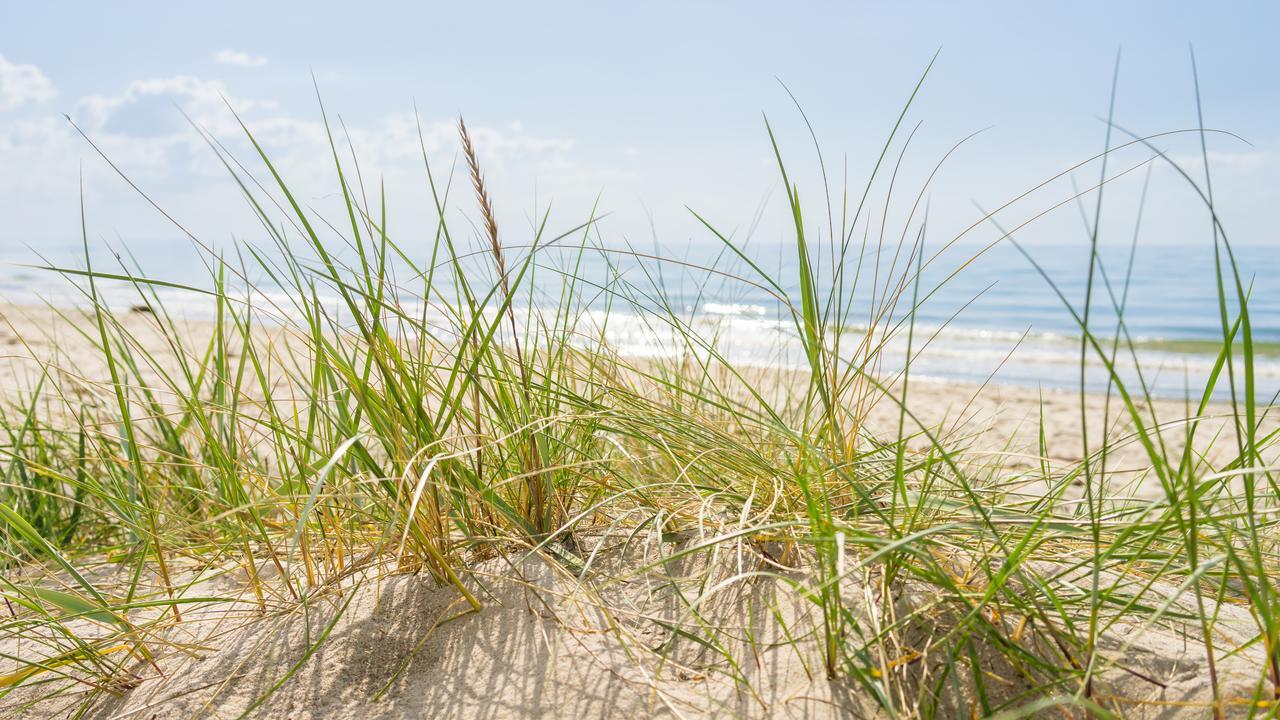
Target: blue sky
653 106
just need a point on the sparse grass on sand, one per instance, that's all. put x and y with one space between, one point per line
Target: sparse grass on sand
398 488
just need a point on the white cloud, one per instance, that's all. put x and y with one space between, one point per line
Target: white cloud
148 108
21 84
142 131
238 58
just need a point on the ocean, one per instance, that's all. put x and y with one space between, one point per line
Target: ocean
997 320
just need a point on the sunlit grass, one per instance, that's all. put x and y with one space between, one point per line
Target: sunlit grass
402 411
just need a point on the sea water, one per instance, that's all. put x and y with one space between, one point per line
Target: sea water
1007 317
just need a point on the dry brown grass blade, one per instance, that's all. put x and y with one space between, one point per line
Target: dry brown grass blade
486 205
537 510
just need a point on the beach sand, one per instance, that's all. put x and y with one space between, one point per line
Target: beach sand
397 644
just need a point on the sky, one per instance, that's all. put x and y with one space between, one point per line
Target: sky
648 109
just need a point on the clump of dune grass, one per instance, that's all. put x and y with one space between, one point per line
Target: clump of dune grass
370 405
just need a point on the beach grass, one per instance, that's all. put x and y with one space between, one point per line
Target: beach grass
375 409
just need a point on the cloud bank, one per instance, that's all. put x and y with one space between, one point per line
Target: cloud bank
21 84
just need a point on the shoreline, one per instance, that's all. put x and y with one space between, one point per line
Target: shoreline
958 353
1009 412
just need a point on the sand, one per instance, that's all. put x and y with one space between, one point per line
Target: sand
546 645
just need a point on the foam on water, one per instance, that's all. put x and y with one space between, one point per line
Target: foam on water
1012 329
